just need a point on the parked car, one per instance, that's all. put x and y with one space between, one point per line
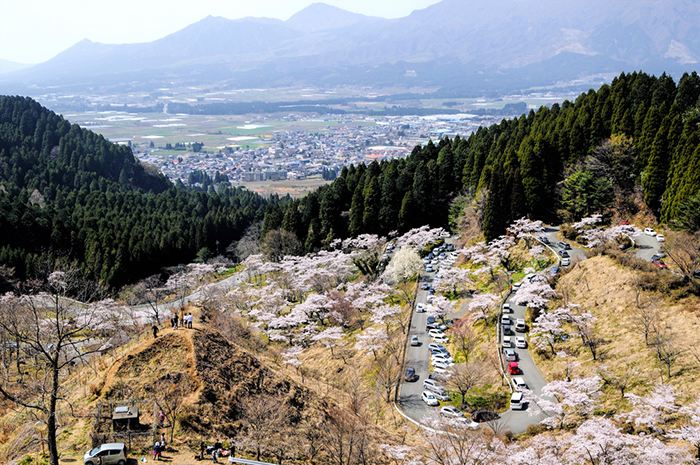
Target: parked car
543 239
432 385
510 355
451 411
654 258
113 453
513 368
442 357
506 342
516 401
436 332
442 396
481 416
564 254
660 238
564 245
507 331
420 308
441 339
660 264
441 364
521 343
438 351
410 375
520 325
519 384
565 262
553 271
424 286
649 232
433 345
429 268
516 286
429 398
507 308
505 320
415 341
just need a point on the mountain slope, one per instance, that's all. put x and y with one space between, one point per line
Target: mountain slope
450 37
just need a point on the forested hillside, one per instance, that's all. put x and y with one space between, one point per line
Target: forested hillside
66 192
635 138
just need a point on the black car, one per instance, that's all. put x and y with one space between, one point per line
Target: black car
564 254
544 240
410 375
481 416
507 331
564 245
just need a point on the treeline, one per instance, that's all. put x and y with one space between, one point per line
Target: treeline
638 133
67 193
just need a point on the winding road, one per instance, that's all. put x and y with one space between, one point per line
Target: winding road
418 357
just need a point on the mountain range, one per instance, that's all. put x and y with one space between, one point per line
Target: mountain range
465 44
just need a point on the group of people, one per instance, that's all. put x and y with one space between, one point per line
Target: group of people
217 450
183 319
159 447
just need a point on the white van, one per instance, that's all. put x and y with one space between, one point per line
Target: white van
517 402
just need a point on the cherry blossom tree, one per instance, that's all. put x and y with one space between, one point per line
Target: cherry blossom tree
384 313
464 337
371 340
577 397
534 294
420 237
401 454
291 356
483 306
652 410
440 308
404 266
328 336
452 279
690 432
451 442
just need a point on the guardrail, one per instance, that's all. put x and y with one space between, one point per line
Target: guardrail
246 461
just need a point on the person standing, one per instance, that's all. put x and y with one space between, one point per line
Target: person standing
155 330
189 320
156 451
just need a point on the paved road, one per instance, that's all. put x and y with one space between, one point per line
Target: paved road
418 357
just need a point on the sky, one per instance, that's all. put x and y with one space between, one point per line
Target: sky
34 31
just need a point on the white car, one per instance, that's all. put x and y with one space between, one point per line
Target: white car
505 320
436 333
516 401
432 385
516 286
520 343
441 339
519 384
660 238
440 357
565 261
451 411
520 325
507 308
429 398
649 232
420 308
441 364
507 342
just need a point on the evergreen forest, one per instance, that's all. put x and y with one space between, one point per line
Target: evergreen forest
68 194
633 142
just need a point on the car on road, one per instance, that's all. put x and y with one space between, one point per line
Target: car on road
565 261
420 308
564 254
410 375
429 398
516 286
428 268
481 416
543 239
442 396
649 232
441 364
442 357
519 384
660 238
505 320
507 331
516 401
654 258
506 342
432 385
660 264
513 368
415 341
521 343
553 271
510 355
564 245
441 339
451 411
520 325
507 308
424 286
426 260
113 453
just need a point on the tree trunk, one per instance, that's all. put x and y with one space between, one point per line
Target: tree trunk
51 417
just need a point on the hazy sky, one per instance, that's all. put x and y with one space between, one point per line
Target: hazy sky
35 30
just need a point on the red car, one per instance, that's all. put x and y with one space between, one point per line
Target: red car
660 264
625 223
513 368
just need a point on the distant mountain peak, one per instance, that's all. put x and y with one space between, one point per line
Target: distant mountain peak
322 17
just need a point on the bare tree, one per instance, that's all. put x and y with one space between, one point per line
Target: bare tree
387 375
620 381
645 315
466 376
347 439
171 392
465 338
278 243
666 345
262 417
683 250
51 333
150 290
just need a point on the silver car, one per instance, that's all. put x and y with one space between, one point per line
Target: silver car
112 454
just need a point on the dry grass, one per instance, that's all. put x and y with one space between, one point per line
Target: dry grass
607 290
